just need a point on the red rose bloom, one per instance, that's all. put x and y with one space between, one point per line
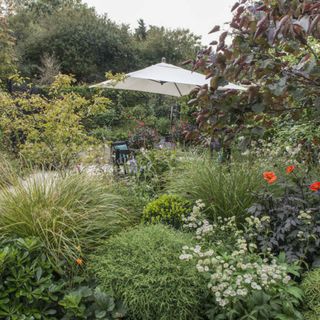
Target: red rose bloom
315 186
289 169
270 177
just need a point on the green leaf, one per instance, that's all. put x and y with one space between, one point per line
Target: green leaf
295 291
258 107
38 273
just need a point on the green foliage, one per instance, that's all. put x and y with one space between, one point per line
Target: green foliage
311 288
88 303
134 197
32 288
87 45
70 214
7 42
167 209
163 126
29 285
175 45
299 138
48 131
226 190
154 168
84 43
142 267
8 172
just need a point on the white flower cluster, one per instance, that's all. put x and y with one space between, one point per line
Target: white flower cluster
305 215
196 222
235 274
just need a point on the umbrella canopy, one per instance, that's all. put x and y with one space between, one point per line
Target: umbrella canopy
162 78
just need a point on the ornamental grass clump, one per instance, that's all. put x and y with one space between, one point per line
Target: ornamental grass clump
143 269
226 190
69 215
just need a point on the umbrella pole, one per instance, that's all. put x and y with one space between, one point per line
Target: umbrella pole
178 89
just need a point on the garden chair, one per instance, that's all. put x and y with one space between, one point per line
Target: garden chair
120 155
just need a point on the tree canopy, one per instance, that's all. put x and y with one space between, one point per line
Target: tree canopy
71 37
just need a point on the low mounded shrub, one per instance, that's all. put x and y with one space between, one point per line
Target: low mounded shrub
68 214
167 209
311 288
143 269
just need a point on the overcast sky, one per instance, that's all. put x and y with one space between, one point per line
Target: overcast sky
197 15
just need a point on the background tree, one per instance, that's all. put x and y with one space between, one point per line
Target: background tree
175 45
85 44
7 41
141 31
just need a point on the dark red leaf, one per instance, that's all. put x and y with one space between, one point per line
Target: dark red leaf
240 10
262 26
235 6
261 8
213 43
300 34
314 23
223 36
215 29
282 22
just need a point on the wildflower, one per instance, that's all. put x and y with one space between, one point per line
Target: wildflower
270 177
289 169
79 262
315 186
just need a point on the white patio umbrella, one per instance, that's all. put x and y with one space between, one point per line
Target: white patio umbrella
162 78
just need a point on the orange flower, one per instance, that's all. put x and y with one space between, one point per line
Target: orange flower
315 186
79 262
289 169
270 177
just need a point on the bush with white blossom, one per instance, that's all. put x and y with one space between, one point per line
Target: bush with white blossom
237 275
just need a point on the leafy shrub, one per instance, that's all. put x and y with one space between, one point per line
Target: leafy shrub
287 217
69 214
143 137
226 190
107 134
87 303
163 125
143 269
48 131
168 209
7 172
311 288
243 284
31 287
154 168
